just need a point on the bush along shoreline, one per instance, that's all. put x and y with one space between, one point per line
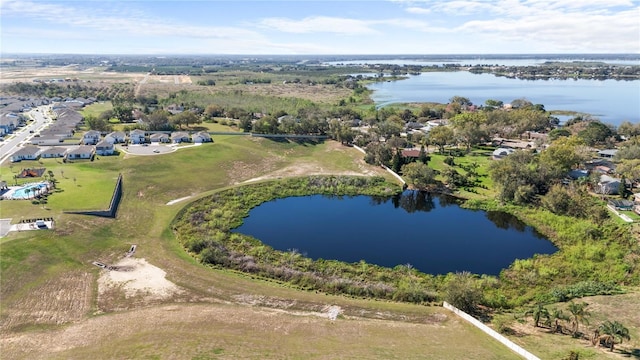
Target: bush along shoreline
591 260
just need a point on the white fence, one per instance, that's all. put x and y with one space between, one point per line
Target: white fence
508 343
384 167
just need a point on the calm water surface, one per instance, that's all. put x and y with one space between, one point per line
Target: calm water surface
431 233
612 101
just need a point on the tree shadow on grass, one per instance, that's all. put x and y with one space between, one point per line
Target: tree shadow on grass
298 141
632 353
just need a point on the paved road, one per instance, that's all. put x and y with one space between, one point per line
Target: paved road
23 135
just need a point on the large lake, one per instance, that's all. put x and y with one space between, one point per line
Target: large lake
612 101
431 233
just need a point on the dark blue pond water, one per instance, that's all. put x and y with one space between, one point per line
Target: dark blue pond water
431 233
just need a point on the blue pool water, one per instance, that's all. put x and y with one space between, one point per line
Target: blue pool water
25 193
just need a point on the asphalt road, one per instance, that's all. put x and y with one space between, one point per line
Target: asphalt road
24 135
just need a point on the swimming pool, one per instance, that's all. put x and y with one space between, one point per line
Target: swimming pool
25 192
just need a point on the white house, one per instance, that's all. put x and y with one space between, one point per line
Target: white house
118 136
91 137
82 152
159 138
105 147
26 153
137 136
46 140
53 152
201 137
179 137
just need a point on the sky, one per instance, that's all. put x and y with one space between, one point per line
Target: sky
304 27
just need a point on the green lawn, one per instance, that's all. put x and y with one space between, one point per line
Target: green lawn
96 108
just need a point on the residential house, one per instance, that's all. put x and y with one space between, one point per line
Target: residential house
46 140
117 136
201 137
179 137
159 138
578 173
607 153
91 137
104 148
410 154
607 185
501 152
53 152
137 136
26 153
8 123
620 204
82 152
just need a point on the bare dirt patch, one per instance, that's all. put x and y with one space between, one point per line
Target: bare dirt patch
136 277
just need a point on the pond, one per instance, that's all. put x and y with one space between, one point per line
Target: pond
432 233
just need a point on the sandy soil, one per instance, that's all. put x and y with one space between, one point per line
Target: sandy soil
137 277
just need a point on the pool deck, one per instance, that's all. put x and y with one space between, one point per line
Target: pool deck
8 195
6 226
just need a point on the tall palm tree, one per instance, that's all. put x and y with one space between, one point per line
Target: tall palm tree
612 333
579 315
538 312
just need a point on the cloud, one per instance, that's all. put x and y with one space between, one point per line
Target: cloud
319 24
117 21
546 25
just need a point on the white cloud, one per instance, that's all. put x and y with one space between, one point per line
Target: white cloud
418 10
319 24
129 23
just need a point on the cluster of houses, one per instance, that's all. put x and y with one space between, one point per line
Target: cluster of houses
51 142
93 143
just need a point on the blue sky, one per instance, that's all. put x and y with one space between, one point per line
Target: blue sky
320 27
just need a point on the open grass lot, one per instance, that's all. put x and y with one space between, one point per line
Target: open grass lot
96 109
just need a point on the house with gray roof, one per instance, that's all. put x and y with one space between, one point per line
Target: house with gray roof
201 137
137 136
105 148
26 153
53 152
159 138
81 152
179 137
91 137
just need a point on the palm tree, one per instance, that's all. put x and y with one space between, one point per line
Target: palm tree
579 315
538 312
613 332
557 315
